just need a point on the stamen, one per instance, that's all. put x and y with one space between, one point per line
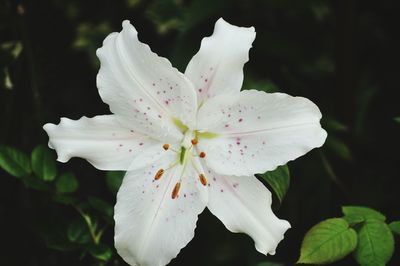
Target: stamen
159 174
175 191
165 146
202 154
195 141
203 179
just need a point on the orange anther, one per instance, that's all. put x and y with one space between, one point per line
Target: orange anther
195 141
202 154
159 174
165 146
203 179
175 191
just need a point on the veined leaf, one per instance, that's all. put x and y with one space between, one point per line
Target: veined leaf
358 213
328 241
375 244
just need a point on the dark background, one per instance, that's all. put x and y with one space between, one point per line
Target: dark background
343 55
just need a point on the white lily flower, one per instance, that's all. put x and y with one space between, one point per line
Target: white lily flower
187 141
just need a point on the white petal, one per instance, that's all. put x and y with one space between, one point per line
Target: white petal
218 66
151 227
258 131
101 140
142 87
243 204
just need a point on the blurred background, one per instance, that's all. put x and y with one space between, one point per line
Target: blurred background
343 55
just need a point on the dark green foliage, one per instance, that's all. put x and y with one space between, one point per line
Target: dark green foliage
279 180
343 55
43 163
15 162
331 240
328 242
376 244
67 183
114 180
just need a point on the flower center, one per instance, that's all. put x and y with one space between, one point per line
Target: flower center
185 155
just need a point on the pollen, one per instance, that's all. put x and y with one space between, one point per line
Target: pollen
203 179
165 146
159 174
202 154
175 191
195 141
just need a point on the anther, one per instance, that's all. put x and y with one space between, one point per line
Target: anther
203 179
202 154
175 191
159 174
195 141
165 146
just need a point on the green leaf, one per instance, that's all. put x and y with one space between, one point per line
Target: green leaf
395 227
43 163
67 183
332 124
65 199
14 161
114 180
101 252
14 48
78 232
375 244
279 180
358 213
338 147
397 119
101 206
328 241
35 183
